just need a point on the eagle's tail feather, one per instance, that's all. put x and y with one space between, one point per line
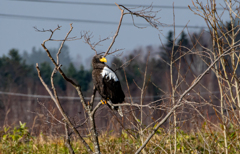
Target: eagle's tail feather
117 108
120 111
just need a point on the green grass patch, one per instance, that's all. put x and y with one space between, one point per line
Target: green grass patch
18 140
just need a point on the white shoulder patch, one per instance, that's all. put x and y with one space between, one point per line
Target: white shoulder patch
106 72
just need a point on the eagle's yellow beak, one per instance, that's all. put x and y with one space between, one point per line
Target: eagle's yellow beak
103 59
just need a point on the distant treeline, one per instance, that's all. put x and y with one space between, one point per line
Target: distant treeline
19 70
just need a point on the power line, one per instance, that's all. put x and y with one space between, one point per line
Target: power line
40 96
98 98
110 4
85 21
60 19
61 97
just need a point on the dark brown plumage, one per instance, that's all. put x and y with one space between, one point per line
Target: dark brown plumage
106 82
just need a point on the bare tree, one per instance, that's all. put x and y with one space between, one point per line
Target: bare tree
224 46
89 107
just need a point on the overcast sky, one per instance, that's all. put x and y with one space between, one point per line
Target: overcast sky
19 17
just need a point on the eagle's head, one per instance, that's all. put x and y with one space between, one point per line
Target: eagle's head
98 59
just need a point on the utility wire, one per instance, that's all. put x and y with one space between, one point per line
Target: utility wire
60 97
85 21
97 98
39 96
110 4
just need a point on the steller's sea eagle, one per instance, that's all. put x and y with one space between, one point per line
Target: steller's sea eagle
107 83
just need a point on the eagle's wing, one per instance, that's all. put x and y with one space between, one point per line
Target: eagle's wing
107 73
112 86
98 82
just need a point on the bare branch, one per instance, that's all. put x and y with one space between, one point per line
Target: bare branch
126 63
178 103
60 48
116 34
88 36
60 107
67 140
50 113
146 13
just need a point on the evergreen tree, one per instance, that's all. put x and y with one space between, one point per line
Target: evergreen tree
169 39
40 56
13 70
183 41
84 77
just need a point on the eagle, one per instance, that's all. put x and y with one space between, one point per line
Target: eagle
107 83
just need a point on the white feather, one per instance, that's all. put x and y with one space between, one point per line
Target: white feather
106 72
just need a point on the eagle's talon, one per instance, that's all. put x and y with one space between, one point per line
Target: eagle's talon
104 102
